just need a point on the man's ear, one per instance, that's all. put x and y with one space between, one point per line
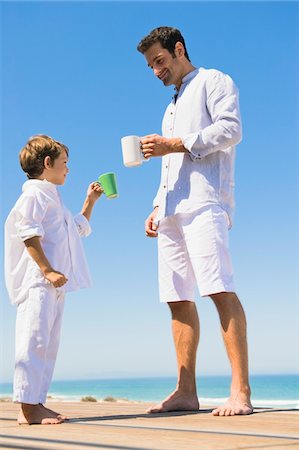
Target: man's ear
179 49
47 162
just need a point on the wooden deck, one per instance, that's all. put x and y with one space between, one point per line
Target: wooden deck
125 426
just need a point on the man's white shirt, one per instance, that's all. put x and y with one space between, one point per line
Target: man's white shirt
206 117
39 211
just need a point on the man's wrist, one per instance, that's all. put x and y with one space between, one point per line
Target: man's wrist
176 146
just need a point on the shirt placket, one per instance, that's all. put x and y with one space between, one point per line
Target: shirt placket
71 268
167 162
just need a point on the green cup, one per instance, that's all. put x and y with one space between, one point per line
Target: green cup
108 183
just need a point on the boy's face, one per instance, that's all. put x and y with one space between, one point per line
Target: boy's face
58 172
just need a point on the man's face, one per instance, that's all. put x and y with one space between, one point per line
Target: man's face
167 68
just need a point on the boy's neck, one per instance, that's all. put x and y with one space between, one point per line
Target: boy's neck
44 178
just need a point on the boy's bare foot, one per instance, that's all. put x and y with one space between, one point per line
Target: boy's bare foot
237 404
176 402
22 419
37 414
58 415
52 414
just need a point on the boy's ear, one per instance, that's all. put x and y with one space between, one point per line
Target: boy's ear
47 162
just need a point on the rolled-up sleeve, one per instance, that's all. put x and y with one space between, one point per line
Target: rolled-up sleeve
225 129
29 218
28 230
82 224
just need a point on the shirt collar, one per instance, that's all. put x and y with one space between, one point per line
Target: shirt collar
43 185
190 76
186 79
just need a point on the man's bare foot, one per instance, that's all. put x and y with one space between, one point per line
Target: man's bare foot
237 404
176 402
37 414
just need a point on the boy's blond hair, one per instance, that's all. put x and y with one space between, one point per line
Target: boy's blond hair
32 156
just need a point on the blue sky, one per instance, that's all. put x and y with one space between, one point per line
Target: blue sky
71 70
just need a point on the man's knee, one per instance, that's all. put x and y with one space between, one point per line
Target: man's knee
228 305
224 297
181 309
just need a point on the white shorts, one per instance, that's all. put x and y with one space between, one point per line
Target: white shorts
193 251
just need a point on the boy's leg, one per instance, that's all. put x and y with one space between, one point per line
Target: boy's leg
34 320
51 354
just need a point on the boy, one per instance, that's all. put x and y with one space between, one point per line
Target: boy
44 259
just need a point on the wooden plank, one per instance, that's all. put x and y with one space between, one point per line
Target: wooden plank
126 426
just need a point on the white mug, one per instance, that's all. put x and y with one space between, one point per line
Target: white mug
132 154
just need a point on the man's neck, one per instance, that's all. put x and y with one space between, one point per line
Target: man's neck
188 69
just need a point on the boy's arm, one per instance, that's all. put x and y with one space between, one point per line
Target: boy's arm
94 192
36 252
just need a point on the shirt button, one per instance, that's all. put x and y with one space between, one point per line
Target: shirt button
164 186
166 167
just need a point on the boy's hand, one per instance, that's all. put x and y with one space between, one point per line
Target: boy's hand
56 278
36 252
94 191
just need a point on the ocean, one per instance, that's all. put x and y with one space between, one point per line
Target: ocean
276 391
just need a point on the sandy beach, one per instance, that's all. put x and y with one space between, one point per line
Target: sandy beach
125 426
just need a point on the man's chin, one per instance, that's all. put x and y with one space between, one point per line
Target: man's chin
167 82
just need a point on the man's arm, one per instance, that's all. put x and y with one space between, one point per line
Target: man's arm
156 145
36 252
224 131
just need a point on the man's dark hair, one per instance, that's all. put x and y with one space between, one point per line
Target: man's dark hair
167 36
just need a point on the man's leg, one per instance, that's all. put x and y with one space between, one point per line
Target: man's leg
185 328
233 326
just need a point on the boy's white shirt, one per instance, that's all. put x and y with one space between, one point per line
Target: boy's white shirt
39 211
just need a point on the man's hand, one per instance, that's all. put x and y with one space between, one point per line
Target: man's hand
150 227
156 145
56 278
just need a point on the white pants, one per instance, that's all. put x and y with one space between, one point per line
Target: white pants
193 251
38 326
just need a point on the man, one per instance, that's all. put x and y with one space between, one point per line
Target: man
193 212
